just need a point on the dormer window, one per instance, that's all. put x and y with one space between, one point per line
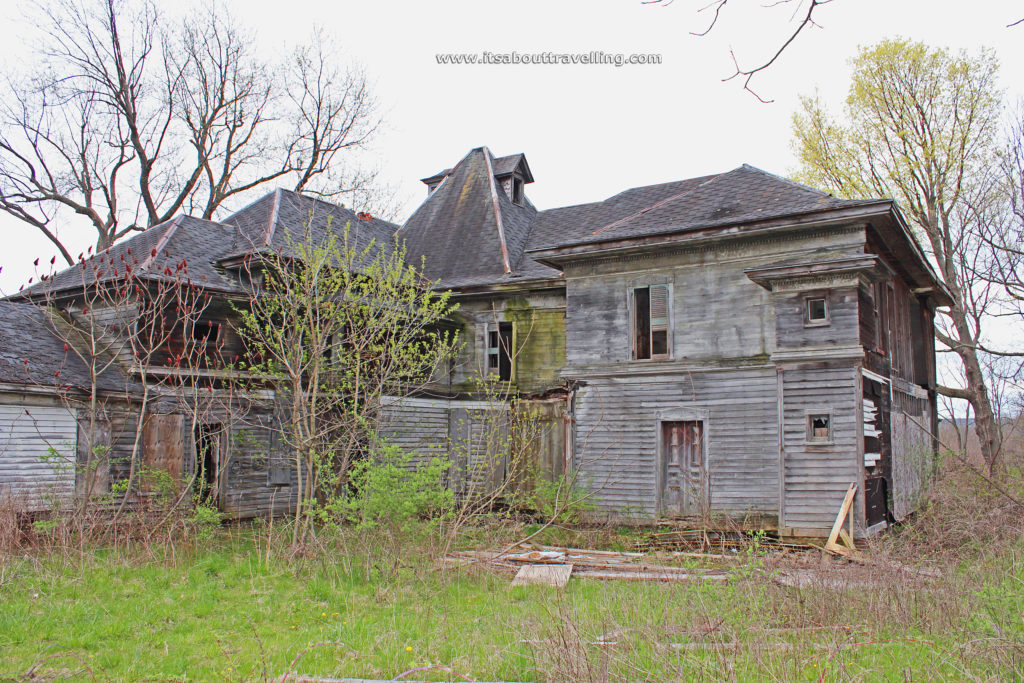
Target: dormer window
517 191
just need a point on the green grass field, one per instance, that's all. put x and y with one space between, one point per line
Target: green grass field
374 606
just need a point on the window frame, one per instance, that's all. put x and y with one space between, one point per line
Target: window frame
634 312
496 351
817 322
518 191
810 438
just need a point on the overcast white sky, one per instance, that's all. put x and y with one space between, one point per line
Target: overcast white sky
588 131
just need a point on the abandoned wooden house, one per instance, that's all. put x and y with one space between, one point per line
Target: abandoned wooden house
732 346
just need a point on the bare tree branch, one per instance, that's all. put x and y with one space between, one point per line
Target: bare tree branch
128 119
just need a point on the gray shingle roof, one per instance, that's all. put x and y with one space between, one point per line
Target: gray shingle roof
456 230
281 217
199 245
744 194
32 354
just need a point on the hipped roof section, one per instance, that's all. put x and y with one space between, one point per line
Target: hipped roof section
187 249
468 232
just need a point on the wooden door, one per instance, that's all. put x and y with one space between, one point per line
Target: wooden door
684 469
162 449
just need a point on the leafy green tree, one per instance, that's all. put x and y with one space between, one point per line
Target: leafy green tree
333 328
921 125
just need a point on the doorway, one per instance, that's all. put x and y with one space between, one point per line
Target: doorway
684 477
208 438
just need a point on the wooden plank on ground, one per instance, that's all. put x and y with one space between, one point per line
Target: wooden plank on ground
556 575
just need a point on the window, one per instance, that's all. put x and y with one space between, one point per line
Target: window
816 310
651 322
819 428
499 351
205 332
517 191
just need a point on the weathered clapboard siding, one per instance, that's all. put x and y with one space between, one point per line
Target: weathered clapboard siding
38 446
618 422
717 311
816 476
793 331
476 435
419 426
538 319
249 452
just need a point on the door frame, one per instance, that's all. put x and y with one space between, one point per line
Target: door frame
701 415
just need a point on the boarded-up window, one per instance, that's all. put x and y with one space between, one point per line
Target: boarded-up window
162 452
651 323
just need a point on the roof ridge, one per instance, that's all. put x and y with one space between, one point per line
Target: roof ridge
426 199
660 203
497 209
784 179
275 213
161 243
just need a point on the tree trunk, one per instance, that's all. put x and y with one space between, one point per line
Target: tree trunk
989 436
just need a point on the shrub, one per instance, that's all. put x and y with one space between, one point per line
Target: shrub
388 488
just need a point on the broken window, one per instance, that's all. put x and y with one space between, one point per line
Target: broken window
208 437
816 310
499 351
651 322
204 333
517 191
819 428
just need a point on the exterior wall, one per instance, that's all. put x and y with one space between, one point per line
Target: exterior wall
618 422
726 330
896 332
817 476
251 449
32 476
718 312
540 341
913 452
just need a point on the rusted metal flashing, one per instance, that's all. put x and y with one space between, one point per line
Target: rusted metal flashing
164 239
497 209
272 223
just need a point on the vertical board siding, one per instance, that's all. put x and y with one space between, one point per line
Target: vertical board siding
32 476
912 452
246 490
816 476
618 422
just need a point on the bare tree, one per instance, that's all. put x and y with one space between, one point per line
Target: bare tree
128 119
802 17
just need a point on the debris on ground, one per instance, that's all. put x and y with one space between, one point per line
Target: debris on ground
595 564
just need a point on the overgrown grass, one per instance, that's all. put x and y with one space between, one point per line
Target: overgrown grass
376 604
240 604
